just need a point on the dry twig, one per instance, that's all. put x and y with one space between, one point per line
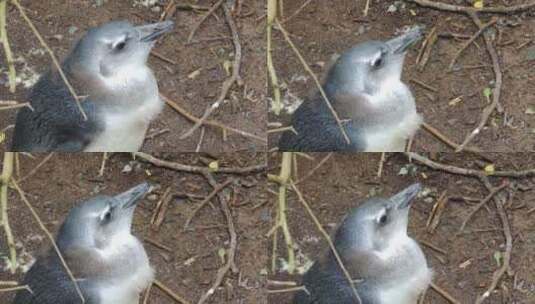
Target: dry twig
229 82
12 76
233 243
7 172
444 294
350 280
170 293
52 56
207 200
508 243
211 123
464 171
483 202
316 80
196 169
469 41
210 12
51 238
468 9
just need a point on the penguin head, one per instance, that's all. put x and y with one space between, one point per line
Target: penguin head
377 223
97 221
116 47
370 66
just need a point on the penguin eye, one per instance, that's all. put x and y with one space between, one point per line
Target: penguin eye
119 46
377 62
383 219
106 216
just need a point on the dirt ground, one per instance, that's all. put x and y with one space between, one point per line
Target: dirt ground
244 110
464 268
320 30
190 263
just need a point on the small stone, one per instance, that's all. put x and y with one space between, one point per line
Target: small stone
72 29
152 197
392 9
127 168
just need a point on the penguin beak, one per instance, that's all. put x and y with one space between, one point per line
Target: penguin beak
401 43
404 198
150 32
130 197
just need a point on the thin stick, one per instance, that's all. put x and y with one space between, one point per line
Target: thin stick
162 57
465 171
16 288
207 200
467 43
381 163
366 8
316 80
210 12
211 123
297 11
170 293
196 169
495 93
325 159
290 289
103 164
436 133
54 60
466 9
496 276
39 165
229 82
12 76
7 172
271 15
161 209
444 294
328 239
199 144
481 204
282 222
51 238
17 106
282 129
233 243
147 294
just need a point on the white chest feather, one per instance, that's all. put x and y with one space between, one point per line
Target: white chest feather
392 138
407 291
400 120
414 277
127 287
124 129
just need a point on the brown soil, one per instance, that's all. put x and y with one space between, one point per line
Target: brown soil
245 109
55 188
321 30
465 270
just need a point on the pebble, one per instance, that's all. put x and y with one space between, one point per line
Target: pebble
72 29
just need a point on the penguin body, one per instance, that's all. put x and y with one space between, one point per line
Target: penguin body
386 264
376 108
118 93
108 262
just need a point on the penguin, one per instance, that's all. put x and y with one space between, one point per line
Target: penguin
386 265
119 94
109 263
376 108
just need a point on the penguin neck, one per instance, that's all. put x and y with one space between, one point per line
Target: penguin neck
383 106
132 272
127 87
